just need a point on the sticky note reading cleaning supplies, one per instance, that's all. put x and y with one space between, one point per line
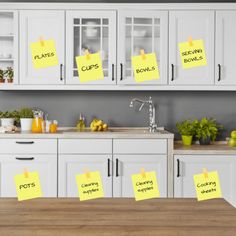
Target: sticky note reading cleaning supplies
28 186
44 54
89 186
145 185
207 185
90 67
145 67
192 53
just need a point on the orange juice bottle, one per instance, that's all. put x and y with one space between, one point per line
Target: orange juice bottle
37 125
53 127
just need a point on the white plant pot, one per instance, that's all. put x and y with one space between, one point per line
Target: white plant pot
26 124
7 121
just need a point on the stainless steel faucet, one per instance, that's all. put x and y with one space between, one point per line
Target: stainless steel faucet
152 112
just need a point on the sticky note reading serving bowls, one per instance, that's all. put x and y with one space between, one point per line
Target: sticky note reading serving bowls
207 186
28 186
145 186
145 67
89 67
192 54
89 186
44 54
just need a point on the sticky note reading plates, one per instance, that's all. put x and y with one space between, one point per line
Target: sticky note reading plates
90 67
145 186
192 54
207 187
89 186
145 67
28 186
44 54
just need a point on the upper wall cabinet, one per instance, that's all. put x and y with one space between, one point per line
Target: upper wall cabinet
198 25
94 31
225 47
141 30
50 26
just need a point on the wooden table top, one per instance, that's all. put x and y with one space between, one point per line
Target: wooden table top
70 217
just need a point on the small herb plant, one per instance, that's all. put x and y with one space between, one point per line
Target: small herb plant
2 73
186 127
26 113
10 72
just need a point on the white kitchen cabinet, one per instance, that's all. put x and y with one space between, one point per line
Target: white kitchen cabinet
127 165
72 165
94 31
199 25
14 164
141 30
50 25
186 166
225 47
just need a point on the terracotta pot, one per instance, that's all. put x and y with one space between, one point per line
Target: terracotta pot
2 80
9 80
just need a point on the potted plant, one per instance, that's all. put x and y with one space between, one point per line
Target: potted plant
206 130
187 129
8 118
2 80
26 118
10 74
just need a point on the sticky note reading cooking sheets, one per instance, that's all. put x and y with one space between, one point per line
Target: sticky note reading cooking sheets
28 186
89 186
145 186
145 67
44 54
207 186
90 67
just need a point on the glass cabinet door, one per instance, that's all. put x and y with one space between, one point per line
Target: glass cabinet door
94 31
146 30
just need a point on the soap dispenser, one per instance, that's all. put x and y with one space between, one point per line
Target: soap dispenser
81 123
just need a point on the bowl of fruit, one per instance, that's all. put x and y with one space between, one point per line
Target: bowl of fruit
232 140
98 125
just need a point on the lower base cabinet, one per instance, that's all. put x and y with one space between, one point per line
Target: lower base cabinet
186 166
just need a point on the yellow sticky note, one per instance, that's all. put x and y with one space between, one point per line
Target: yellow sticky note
89 186
207 188
89 68
145 186
145 67
192 54
44 55
28 187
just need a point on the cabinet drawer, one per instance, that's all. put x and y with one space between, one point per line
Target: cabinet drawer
140 146
85 146
48 146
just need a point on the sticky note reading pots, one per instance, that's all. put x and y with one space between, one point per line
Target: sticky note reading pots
28 186
44 54
89 186
192 53
89 67
207 185
145 67
145 185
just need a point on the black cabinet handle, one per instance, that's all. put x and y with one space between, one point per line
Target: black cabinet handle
219 72
172 72
25 158
113 72
108 168
121 71
178 166
25 142
61 72
117 167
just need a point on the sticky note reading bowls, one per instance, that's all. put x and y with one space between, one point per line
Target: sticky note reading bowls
207 186
44 54
145 67
145 186
89 186
192 54
28 186
89 67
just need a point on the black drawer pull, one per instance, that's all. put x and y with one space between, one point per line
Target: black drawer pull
178 166
219 71
108 168
172 72
25 158
24 142
61 72
113 72
121 71
117 167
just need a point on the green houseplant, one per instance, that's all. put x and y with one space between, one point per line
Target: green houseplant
206 130
2 73
187 130
10 74
26 118
8 118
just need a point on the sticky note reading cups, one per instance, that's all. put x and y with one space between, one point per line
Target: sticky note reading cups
145 67
89 186
192 54
145 185
44 54
207 186
28 186
90 67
